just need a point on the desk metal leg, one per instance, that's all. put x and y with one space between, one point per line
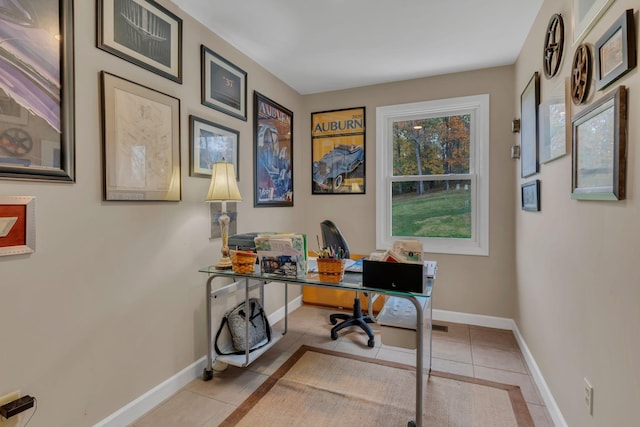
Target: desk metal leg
419 361
208 370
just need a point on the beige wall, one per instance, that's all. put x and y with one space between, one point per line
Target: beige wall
578 284
111 304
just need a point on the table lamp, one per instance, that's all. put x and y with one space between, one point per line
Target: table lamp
222 189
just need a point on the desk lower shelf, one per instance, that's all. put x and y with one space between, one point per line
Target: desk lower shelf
240 360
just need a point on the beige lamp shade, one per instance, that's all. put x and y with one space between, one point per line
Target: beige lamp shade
223 183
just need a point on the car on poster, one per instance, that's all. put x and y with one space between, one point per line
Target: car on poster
331 170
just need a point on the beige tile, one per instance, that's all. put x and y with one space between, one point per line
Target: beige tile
540 415
496 338
452 367
358 347
456 351
528 388
499 359
232 386
186 409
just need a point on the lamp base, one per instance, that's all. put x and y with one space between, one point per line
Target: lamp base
224 263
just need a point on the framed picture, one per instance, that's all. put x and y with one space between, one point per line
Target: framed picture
211 143
142 32
141 135
529 100
37 128
585 14
600 149
616 51
555 130
17 225
338 151
224 86
530 195
273 153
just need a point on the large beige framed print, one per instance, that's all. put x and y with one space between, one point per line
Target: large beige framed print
141 142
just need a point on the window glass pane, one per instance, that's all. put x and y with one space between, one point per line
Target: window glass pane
431 209
432 146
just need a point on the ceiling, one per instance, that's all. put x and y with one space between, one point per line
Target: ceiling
319 46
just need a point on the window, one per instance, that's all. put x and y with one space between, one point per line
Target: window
433 174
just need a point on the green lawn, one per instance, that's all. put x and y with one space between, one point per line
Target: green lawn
439 214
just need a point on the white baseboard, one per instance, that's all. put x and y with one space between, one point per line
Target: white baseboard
510 324
143 404
549 401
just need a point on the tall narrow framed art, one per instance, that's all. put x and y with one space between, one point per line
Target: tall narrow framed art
529 101
273 153
37 92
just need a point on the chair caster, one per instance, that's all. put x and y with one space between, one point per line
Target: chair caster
334 336
411 424
333 321
207 375
371 343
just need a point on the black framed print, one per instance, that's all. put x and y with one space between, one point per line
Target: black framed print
224 86
616 51
529 101
211 143
273 153
530 196
37 123
143 33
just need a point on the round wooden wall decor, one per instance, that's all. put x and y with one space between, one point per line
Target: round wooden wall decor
581 71
553 46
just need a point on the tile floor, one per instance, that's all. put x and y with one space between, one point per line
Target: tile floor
491 354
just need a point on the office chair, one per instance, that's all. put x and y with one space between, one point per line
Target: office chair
333 238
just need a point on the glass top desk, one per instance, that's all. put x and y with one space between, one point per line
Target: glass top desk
351 281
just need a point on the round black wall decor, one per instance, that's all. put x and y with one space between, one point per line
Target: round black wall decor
581 71
553 46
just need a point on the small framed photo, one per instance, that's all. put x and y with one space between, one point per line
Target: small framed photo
599 152
338 151
211 143
224 86
141 142
17 225
529 101
555 130
530 194
143 33
273 153
616 51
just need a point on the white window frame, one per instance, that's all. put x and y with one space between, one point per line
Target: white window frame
478 107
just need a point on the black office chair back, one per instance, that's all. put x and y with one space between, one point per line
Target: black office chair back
333 238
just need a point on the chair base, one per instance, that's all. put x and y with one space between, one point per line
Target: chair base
355 319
